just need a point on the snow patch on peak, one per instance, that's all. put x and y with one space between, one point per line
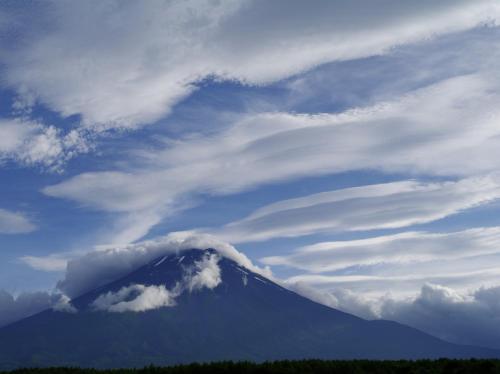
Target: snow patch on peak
162 260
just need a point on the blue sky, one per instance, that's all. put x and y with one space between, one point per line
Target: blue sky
350 146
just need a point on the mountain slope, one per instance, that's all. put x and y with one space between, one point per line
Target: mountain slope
243 317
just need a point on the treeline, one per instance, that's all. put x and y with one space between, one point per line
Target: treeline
300 367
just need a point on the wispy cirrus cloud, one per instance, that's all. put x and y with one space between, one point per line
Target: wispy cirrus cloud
425 132
402 248
54 262
381 206
123 65
15 223
397 264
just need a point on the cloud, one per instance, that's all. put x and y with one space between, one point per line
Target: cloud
126 65
139 298
134 298
54 262
15 223
380 206
432 131
468 318
64 305
465 317
25 304
398 249
106 264
342 299
206 274
33 143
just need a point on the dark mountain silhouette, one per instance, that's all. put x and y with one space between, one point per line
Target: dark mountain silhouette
245 317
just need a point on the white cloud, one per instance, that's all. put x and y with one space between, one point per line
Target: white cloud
33 143
53 262
381 206
135 298
398 249
435 130
206 274
126 64
15 223
340 298
106 264
64 305
356 273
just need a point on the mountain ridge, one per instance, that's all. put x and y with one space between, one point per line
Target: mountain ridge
215 309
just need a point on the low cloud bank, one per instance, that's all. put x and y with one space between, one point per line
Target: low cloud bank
471 318
13 308
466 318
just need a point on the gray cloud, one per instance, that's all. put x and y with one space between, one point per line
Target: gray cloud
467 317
25 304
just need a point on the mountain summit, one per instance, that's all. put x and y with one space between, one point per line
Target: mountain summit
197 305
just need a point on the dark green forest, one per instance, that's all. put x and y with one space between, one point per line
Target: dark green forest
302 367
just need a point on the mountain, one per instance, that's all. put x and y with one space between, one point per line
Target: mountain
200 306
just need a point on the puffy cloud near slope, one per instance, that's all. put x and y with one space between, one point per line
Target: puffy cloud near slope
135 298
465 317
205 274
140 298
